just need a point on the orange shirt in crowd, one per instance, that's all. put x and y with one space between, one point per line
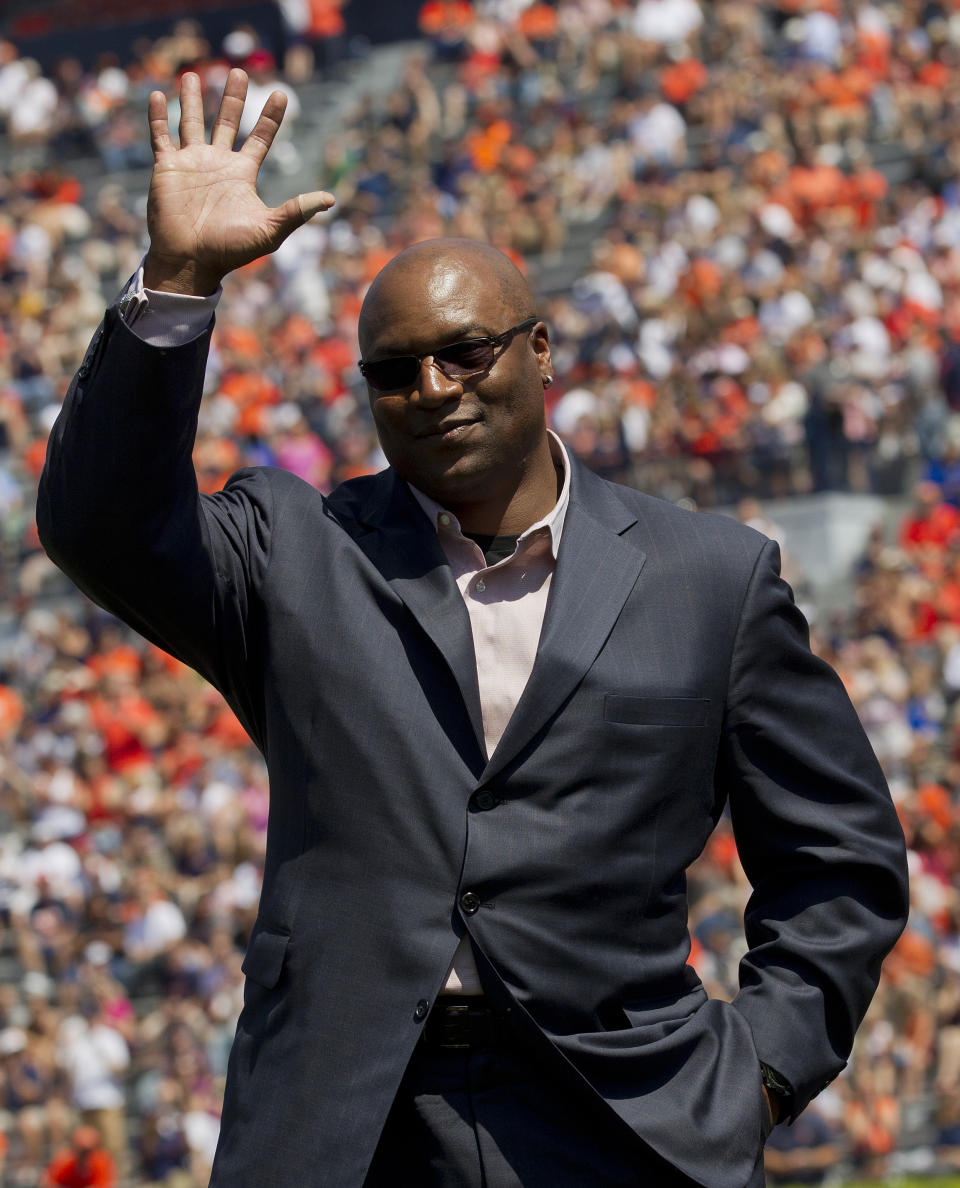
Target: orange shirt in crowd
225 729
11 711
325 18
913 956
865 190
874 1124
96 1171
935 75
937 527
846 89
948 600
936 804
680 81
538 22
486 145
437 16
122 660
811 188
702 282
34 456
128 724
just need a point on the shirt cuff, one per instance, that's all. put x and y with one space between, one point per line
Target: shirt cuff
165 319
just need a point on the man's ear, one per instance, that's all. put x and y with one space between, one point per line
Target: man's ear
540 339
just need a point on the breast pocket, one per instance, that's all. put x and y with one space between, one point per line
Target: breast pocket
656 711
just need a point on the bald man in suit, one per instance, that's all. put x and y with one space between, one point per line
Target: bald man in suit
503 704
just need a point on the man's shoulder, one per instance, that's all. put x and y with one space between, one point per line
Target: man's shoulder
354 499
681 522
350 490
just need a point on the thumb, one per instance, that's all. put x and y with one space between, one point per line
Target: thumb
297 211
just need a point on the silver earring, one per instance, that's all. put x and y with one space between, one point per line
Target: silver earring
547 382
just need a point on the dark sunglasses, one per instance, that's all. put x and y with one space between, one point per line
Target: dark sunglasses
457 361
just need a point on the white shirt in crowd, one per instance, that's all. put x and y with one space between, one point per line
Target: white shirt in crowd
93 1056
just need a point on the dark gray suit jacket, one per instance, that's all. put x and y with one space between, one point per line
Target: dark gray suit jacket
673 677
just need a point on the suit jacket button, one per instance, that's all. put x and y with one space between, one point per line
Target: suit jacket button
423 1007
484 800
470 902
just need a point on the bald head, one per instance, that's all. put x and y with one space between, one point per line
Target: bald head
475 442
437 271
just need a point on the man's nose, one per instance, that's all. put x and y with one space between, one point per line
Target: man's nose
432 386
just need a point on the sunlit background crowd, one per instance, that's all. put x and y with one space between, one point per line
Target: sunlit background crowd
742 222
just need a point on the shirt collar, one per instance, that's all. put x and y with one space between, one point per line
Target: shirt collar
552 521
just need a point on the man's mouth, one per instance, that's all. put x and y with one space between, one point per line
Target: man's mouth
450 428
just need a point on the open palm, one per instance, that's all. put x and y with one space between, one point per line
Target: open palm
204 215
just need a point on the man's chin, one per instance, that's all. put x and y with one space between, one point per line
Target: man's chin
460 479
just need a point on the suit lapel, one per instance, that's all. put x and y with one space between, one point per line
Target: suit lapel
404 548
596 571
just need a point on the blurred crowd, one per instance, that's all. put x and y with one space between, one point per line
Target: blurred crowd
743 223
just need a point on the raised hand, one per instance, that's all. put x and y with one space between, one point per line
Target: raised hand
204 215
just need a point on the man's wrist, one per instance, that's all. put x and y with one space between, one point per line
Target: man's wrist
777 1090
774 1106
186 277
164 318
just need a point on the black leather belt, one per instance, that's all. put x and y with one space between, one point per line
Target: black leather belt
457 1023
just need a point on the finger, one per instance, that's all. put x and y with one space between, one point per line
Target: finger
297 211
191 111
257 144
157 119
231 108
312 203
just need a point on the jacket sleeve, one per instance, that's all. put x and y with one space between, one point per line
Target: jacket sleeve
819 840
118 510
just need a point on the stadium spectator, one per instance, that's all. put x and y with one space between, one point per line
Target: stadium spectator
93 1055
84 1164
802 1153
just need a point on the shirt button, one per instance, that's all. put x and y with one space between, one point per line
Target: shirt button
470 902
444 519
484 800
422 1009
481 586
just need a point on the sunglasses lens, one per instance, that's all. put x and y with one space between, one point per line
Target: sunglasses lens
456 360
389 375
464 358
